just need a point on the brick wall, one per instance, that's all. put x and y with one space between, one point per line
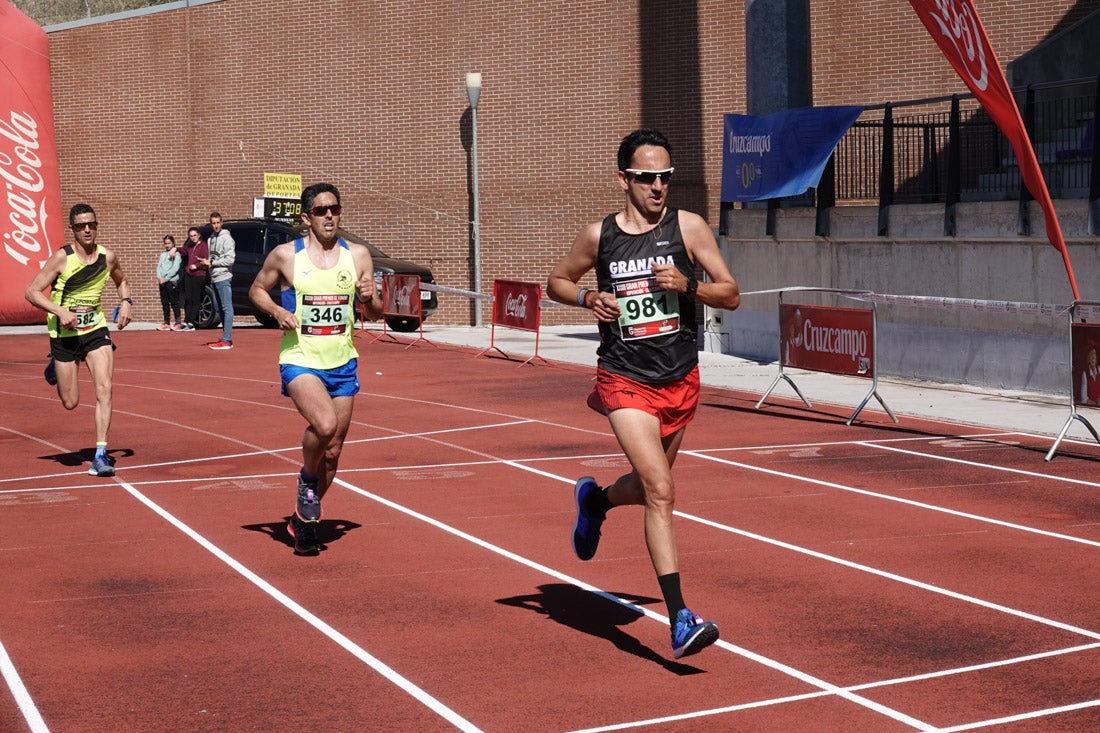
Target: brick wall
165 117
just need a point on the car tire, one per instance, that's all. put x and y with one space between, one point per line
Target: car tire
403 324
209 315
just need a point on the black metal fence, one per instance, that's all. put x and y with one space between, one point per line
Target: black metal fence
948 151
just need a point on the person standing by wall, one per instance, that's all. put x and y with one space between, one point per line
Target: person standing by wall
168 281
77 274
223 253
318 361
647 380
195 256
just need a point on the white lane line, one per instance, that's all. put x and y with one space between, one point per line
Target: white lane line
826 688
1021 716
854 688
347 644
988 466
898 499
895 577
19 692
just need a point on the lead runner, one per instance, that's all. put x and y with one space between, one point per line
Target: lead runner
647 378
320 275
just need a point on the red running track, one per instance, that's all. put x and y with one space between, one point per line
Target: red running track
879 577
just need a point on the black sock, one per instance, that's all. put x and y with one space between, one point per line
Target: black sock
598 503
670 588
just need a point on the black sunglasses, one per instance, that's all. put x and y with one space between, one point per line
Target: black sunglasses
646 178
322 210
89 224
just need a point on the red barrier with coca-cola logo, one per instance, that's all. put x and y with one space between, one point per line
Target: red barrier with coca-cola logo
834 340
516 304
31 225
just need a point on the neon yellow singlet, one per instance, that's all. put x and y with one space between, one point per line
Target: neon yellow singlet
323 302
79 288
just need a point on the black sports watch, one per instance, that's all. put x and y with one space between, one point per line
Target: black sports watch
692 286
128 300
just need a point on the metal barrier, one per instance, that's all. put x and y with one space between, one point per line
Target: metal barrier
516 304
401 298
829 339
1084 380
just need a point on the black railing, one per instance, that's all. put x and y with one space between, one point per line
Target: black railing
950 151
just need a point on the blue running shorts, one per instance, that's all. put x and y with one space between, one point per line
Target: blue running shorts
342 381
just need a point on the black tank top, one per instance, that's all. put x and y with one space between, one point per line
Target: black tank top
654 341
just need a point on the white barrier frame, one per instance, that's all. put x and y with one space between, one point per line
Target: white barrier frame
1073 413
860 295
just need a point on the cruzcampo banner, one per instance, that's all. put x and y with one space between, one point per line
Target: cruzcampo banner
782 154
31 226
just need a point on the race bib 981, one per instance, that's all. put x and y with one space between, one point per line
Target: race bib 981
647 309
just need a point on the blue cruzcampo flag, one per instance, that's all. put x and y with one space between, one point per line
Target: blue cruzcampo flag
782 154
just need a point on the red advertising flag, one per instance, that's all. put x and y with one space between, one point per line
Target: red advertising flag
957 29
31 227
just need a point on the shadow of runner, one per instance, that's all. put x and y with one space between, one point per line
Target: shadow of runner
75 458
596 615
328 530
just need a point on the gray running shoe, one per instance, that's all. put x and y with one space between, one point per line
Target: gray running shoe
305 536
309 504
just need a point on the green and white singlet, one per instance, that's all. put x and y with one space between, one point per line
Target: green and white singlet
323 301
79 288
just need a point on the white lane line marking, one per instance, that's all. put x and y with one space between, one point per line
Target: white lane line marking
897 499
825 687
347 644
19 692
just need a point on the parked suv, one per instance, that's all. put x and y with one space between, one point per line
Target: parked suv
256 237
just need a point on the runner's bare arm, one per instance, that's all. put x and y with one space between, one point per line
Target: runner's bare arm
36 294
365 286
277 270
562 283
722 291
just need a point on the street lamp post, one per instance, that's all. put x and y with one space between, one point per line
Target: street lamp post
473 92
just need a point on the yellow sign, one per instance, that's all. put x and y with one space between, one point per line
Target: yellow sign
282 184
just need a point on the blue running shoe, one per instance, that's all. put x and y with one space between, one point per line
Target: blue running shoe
309 504
305 536
101 467
691 634
586 530
50 372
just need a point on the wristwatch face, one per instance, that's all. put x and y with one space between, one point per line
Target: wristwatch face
692 286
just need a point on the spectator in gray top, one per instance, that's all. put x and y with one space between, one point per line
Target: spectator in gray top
223 253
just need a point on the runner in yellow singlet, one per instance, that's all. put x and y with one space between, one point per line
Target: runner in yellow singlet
76 275
320 276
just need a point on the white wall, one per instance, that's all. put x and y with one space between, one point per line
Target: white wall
986 261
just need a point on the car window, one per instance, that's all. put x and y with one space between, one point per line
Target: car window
249 239
278 235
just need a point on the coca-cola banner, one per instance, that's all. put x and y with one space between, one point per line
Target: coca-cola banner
401 295
824 339
31 225
516 304
958 31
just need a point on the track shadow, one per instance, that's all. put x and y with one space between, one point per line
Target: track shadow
328 530
597 616
74 459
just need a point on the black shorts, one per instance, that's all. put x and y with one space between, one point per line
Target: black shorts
75 348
